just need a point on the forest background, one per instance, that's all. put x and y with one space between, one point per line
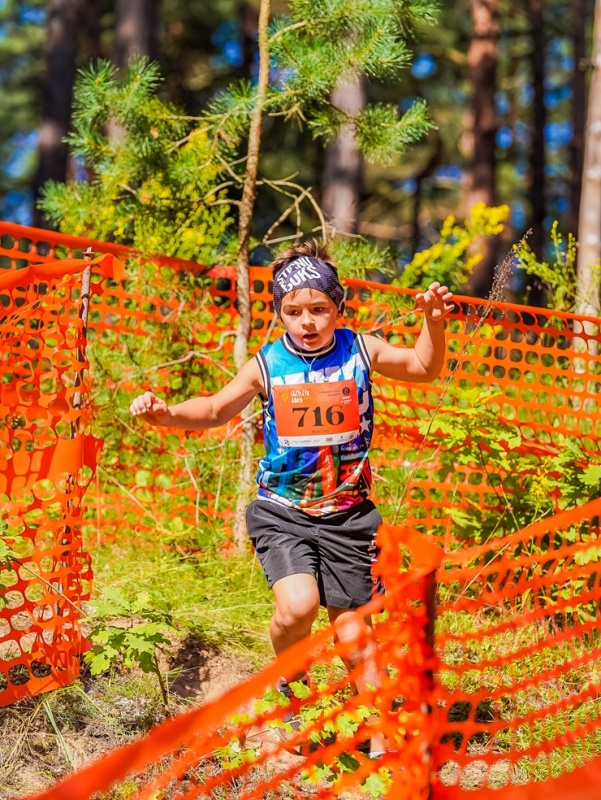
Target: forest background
505 83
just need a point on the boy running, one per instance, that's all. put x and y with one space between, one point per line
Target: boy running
312 525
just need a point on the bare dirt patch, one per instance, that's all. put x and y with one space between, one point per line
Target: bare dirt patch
200 672
46 737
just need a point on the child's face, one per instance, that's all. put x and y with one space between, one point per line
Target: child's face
309 317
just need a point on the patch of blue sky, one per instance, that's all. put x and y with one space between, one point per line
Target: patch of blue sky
20 147
556 169
32 16
567 62
232 53
18 207
408 187
449 172
558 134
548 222
556 95
283 74
457 95
78 168
423 66
504 137
226 32
405 103
561 205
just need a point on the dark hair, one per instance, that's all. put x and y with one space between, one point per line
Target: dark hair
311 248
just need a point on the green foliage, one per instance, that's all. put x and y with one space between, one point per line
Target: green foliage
192 582
10 544
7 554
154 184
21 67
559 275
228 116
358 258
322 44
312 50
452 259
523 485
117 637
334 722
382 137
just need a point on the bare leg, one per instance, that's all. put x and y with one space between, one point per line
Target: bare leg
296 607
352 628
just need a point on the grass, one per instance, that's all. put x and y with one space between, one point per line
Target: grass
223 599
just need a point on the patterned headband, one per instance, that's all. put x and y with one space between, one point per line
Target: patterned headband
306 272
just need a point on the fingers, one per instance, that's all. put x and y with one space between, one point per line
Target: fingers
146 403
433 294
436 301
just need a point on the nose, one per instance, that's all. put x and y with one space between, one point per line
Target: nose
306 319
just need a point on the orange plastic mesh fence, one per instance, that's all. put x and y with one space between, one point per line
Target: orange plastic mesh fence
46 462
516 703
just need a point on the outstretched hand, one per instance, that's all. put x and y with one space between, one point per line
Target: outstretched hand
150 408
436 302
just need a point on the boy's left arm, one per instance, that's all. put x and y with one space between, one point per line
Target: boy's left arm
423 362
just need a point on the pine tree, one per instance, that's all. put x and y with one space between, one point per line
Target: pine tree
155 185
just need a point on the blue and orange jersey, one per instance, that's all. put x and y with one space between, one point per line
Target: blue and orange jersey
317 424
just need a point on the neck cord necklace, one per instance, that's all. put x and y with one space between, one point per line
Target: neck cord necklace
314 377
309 364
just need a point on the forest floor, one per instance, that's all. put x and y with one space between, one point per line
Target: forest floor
221 608
47 737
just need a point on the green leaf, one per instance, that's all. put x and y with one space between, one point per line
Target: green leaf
377 784
346 724
592 475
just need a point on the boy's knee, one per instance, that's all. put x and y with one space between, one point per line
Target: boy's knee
296 602
353 633
301 609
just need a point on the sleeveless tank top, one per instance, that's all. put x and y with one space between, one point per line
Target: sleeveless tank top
317 424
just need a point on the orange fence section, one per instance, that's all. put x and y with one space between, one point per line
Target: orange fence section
46 462
514 711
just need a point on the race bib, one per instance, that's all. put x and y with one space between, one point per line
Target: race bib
316 414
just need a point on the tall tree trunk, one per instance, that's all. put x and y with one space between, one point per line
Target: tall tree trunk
482 63
247 204
579 17
537 141
589 229
61 55
248 30
135 34
537 131
419 178
343 171
136 23
93 29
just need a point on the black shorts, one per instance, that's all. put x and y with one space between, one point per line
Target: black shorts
338 549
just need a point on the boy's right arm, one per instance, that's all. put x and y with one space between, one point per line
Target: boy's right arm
203 412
